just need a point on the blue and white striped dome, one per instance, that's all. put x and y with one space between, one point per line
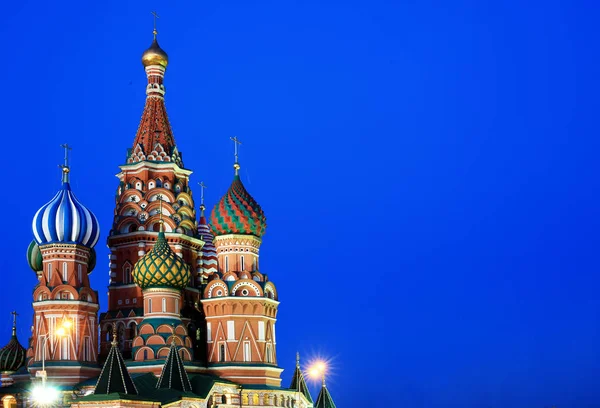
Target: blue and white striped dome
65 219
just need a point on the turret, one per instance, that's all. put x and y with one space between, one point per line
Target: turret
65 233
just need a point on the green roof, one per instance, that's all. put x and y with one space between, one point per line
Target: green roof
298 384
324 399
114 377
174 376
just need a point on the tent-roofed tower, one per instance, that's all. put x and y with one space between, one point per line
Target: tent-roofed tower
65 233
153 172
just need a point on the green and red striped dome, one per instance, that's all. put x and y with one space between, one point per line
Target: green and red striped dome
238 213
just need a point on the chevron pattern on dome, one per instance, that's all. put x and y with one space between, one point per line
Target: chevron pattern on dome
238 213
161 267
65 220
209 252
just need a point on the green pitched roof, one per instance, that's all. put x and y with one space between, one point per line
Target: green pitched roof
114 377
174 376
298 383
324 399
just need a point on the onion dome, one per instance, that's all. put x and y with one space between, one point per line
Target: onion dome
155 55
238 213
161 267
12 356
34 257
65 220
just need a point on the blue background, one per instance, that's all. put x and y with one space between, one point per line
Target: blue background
428 170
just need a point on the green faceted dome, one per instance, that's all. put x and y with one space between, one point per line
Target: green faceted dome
161 267
34 257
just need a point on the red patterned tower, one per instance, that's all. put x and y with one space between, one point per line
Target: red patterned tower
154 171
65 334
239 302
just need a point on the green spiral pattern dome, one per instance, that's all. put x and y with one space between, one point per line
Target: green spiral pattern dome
161 267
238 213
34 257
12 356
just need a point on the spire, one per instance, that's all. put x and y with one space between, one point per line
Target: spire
114 376
298 384
324 399
155 17
174 376
154 138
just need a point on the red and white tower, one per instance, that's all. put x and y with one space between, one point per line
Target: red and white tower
153 172
65 332
240 303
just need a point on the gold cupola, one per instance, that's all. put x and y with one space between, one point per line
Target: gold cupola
155 55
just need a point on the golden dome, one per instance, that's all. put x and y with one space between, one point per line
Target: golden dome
155 55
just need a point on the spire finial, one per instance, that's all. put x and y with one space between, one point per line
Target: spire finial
202 207
65 166
14 328
160 220
297 359
114 340
323 379
236 142
155 17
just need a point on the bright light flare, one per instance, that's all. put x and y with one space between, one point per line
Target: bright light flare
67 324
61 331
44 395
317 369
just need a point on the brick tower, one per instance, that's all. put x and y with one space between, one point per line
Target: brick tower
153 172
240 303
65 332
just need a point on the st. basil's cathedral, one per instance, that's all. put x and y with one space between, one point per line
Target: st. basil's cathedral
190 320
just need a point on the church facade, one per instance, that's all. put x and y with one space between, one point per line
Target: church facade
190 320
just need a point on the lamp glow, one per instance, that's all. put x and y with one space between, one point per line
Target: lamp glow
43 395
60 331
67 324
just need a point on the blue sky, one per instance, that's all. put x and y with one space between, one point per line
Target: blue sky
428 170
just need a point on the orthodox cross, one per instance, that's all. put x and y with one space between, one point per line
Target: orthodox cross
155 17
65 166
202 187
14 329
236 142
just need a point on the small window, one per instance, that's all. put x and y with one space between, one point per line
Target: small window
221 352
145 354
149 305
79 273
247 356
135 300
164 304
269 353
64 277
119 302
226 264
126 301
242 262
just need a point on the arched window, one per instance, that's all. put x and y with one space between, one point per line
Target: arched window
49 268
242 262
176 305
149 305
132 330
108 332
164 304
126 273
226 263
247 355
64 274
79 273
221 352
